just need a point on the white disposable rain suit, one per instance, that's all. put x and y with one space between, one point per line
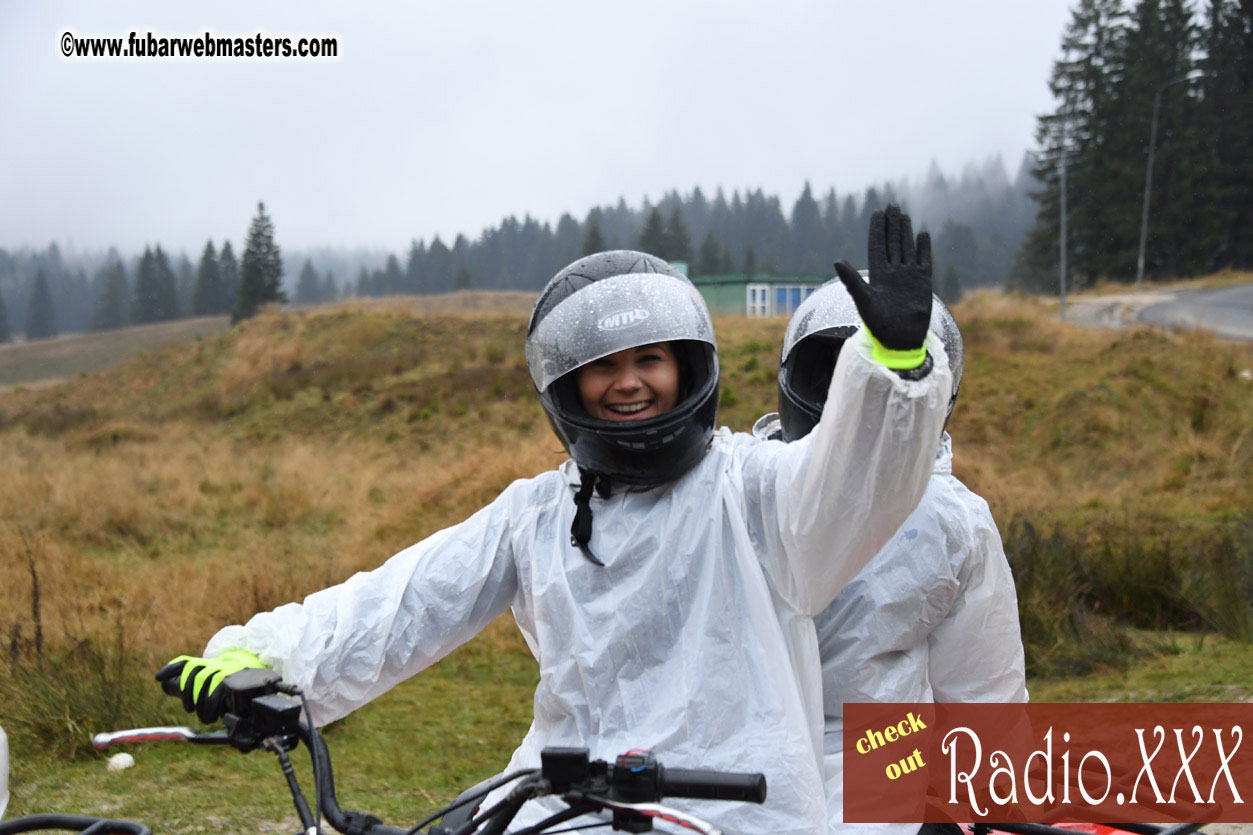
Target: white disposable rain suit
4 773
694 639
932 618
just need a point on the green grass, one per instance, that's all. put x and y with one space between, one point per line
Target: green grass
415 748
1176 667
404 755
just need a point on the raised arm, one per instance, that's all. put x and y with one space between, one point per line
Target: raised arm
821 507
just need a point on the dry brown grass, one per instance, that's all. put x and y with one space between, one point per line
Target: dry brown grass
472 302
195 485
80 353
1225 278
1055 419
187 530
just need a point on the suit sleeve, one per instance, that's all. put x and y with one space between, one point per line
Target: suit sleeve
975 654
818 509
350 643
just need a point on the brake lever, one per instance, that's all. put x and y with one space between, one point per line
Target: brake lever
170 733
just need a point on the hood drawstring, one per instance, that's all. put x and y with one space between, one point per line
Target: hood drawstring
581 529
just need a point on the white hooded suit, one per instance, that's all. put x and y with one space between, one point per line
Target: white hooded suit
694 639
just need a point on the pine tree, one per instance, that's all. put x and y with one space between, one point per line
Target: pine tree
156 298
41 320
260 270
835 244
950 289
146 293
463 281
330 291
393 278
309 286
184 284
208 295
766 228
413 268
807 251
1225 119
1158 49
71 299
6 333
166 298
1084 129
567 242
956 247
710 260
678 244
852 235
439 261
113 303
228 271
653 238
593 241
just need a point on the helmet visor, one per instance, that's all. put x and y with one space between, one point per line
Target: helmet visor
611 315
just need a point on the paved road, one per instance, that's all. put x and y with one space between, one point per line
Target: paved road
1227 311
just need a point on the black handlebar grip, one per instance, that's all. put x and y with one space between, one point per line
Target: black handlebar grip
699 784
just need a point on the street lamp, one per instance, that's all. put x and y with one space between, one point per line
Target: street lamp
1148 171
1061 260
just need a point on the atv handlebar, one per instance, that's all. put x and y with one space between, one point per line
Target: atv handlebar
264 712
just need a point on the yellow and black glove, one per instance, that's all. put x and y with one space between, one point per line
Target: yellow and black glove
198 681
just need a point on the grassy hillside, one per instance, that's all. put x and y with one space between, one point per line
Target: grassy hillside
192 485
82 353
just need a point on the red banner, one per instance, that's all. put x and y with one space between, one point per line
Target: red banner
1046 763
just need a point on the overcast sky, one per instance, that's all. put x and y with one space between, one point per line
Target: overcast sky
439 118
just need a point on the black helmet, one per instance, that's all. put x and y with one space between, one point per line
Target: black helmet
605 303
813 338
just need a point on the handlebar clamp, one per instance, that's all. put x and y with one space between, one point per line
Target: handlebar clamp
258 712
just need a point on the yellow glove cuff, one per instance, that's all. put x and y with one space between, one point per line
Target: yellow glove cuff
895 360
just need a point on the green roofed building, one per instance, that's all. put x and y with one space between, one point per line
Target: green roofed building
759 294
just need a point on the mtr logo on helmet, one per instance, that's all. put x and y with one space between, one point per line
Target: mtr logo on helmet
622 319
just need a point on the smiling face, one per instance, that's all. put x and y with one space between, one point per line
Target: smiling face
633 384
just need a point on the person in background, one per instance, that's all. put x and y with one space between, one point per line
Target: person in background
934 615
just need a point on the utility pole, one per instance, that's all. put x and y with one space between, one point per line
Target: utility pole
1148 170
1061 269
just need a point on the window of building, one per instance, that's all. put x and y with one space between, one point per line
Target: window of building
758 300
777 299
788 297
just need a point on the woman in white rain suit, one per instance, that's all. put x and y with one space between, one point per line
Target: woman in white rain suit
664 578
934 616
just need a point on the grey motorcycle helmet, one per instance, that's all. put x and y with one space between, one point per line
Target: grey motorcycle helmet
608 302
812 342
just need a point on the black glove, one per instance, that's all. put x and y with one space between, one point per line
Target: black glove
198 681
896 304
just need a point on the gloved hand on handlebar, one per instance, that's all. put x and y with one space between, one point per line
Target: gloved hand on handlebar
896 304
198 680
